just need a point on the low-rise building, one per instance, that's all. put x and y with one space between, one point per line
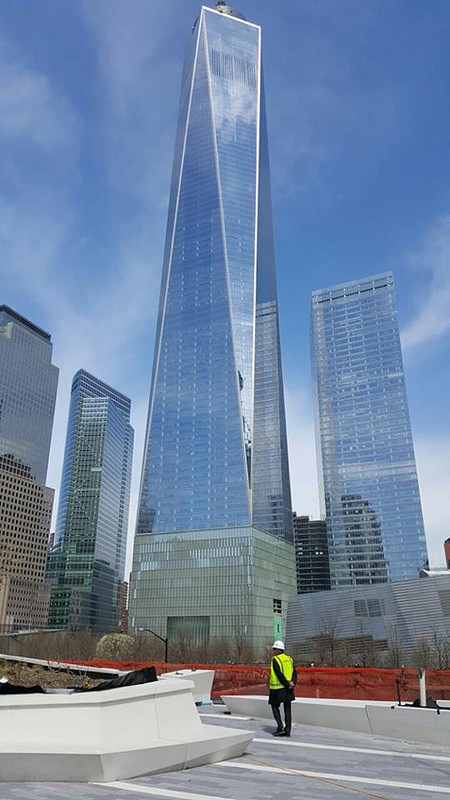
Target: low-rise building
389 622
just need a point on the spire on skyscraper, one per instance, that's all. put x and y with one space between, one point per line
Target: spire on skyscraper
224 9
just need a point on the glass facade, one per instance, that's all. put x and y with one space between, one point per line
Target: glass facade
216 449
28 383
367 464
87 561
229 582
311 554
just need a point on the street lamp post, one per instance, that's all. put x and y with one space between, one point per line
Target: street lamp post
166 642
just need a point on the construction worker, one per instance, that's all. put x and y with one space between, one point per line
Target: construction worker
282 680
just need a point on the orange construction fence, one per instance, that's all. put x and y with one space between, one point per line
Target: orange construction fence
350 683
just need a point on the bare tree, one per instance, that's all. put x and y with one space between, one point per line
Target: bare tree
395 654
57 645
328 641
219 652
440 645
423 655
368 654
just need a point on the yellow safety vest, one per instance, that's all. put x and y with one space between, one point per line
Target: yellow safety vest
286 665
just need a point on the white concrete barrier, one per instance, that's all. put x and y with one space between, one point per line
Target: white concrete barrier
109 735
307 711
414 724
379 718
201 678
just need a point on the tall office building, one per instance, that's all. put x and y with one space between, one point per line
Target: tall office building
365 449
87 561
447 553
28 383
215 474
311 554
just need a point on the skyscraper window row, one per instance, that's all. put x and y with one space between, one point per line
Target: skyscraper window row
351 454
232 68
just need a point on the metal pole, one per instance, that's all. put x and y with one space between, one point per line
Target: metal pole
422 688
161 639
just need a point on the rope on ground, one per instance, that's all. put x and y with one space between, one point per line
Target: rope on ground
329 781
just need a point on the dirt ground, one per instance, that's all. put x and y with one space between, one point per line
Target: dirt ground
30 675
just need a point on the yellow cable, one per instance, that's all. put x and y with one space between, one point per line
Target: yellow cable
329 781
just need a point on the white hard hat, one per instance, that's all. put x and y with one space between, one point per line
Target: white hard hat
278 645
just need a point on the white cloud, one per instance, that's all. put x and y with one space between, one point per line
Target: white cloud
31 110
97 308
138 76
432 318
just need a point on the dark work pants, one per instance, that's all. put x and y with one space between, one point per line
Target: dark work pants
287 716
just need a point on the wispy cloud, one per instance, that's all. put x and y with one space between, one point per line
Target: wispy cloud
432 318
318 109
96 302
138 76
32 111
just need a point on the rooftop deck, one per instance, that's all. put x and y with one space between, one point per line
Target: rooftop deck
314 763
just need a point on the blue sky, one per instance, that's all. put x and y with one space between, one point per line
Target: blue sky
359 125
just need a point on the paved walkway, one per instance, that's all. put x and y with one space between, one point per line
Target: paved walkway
315 764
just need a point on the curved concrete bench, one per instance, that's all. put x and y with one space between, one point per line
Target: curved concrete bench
201 678
109 735
379 718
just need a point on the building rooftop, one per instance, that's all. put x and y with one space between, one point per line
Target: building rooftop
315 764
353 287
24 321
224 9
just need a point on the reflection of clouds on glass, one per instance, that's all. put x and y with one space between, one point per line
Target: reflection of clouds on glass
233 64
372 499
202 451
234 106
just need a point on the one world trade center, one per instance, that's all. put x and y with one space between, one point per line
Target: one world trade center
213 554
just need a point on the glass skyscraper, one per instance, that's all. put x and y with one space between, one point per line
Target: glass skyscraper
87 561
28 383
216 451
311 554
369 487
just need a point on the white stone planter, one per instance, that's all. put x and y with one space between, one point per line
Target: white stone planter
109 735
379 718
201 678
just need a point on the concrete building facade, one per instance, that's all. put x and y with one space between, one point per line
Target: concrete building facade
391 620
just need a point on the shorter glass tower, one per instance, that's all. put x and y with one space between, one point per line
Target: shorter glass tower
28 383
311 554
370 490
87 561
